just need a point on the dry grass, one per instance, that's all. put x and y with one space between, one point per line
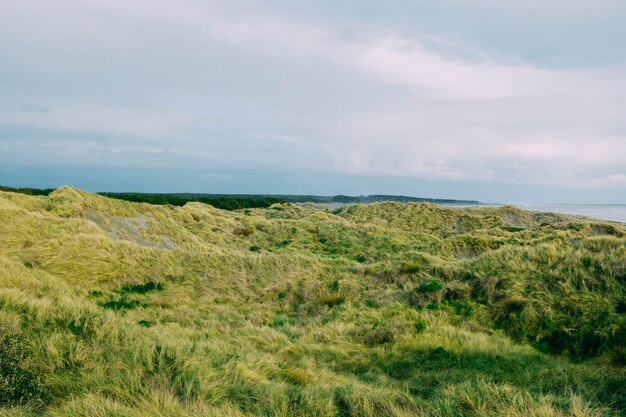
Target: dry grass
527 315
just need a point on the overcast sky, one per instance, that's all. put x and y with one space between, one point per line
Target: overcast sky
505 101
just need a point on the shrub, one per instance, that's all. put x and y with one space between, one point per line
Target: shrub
360 258
122 303
419 326
141 288
20 383
426 293
429 287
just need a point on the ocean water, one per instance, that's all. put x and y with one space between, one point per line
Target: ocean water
612 212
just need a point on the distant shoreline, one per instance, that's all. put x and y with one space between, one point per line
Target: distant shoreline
608 212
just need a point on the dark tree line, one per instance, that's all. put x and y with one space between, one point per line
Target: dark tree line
27 191
244 201
226 203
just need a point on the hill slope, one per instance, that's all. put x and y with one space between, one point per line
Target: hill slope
112 308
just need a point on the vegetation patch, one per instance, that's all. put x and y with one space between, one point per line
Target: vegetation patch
27 191
374 335
331 300
426 293
20 382
384 309
122 303
141 288
243 231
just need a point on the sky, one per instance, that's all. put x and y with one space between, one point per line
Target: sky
520 101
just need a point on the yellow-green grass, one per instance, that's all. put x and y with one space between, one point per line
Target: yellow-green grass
111 308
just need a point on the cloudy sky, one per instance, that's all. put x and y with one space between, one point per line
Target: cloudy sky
503 101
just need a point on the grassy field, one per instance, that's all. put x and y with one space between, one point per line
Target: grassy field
113 308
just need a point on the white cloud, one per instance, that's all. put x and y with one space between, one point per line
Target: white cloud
611 181
569 6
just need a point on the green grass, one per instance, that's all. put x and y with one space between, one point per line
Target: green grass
115 308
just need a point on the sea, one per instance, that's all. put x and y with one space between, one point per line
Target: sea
611 212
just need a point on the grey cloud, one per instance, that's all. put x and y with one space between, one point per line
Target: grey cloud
409 96
34 108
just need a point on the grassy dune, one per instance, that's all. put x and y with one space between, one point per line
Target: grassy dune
113 308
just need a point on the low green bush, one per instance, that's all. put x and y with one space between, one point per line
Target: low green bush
429 292
20 382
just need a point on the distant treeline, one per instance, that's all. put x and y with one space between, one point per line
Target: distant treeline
397 198
225 202
27 191
337 199
243 201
